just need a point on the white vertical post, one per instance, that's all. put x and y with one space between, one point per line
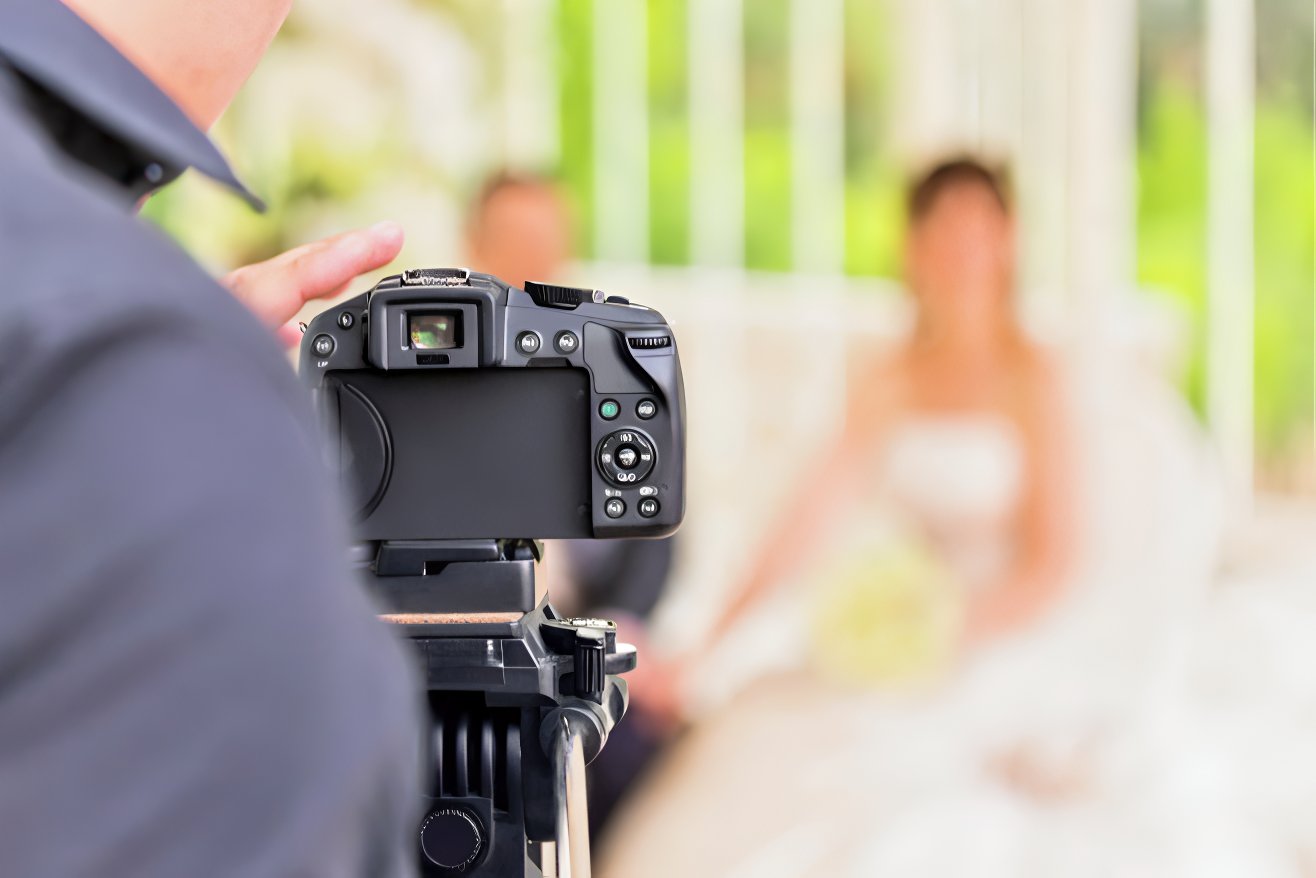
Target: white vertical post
999 52
1103 62
970 55
817 104
1042 161
817 213
715 52
717 136
928 77
530 135
621 130
1230 94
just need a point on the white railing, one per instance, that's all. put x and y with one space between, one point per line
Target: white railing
621 130
1050 85
1230 94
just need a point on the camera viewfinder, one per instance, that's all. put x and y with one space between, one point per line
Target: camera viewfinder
437 331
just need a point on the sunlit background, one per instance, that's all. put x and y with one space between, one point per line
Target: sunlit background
742 166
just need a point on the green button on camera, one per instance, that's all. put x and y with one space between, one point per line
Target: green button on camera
609 409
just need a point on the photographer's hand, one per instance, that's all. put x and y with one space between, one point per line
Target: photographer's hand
276 289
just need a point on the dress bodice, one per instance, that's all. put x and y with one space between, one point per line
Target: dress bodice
956 481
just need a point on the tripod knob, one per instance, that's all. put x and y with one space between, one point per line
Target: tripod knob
589 642
451 838
589 657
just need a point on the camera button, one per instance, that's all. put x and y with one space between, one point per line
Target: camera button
627 457
648 507
346 320
609 409
566 342
323 345
646 409
528 343
615 508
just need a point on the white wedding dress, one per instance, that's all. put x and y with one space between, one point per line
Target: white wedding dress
956 479
1066 750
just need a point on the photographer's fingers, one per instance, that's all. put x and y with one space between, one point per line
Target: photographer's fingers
276 289
325 267
289 334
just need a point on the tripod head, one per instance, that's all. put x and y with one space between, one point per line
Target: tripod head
520 700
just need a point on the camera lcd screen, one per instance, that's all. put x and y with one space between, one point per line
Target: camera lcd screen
437 331
467 453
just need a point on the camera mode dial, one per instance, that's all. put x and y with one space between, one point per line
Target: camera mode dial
626 457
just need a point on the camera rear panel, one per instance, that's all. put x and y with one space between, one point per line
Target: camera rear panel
466 409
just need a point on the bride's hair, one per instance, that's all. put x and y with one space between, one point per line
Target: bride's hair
967 170
947 174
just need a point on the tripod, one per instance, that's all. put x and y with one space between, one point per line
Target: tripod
520 700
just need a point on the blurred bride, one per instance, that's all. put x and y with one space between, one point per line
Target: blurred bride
971 702
959 438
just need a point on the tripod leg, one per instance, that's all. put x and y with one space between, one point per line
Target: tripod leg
572 817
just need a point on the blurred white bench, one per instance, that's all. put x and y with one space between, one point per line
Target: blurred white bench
767 358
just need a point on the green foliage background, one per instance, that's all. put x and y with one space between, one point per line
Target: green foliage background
1172 170
313 176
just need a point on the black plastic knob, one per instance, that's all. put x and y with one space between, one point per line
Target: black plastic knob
451 838
589 658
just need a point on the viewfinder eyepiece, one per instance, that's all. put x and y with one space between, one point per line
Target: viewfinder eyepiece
437 331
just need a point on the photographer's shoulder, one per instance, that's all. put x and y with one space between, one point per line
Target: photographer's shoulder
82 278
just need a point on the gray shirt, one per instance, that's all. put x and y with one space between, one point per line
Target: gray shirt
190 681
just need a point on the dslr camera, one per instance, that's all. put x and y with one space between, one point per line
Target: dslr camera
461 408
466 421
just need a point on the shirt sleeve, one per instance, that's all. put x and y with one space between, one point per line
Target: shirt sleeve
190 680
627 575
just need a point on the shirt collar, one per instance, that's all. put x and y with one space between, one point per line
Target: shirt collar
100 108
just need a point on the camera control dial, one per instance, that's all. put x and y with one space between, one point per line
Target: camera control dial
626 457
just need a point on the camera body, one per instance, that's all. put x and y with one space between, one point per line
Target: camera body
459 407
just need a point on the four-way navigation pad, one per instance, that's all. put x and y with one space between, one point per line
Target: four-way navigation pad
626 457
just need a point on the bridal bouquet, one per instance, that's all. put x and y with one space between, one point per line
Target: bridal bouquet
888 612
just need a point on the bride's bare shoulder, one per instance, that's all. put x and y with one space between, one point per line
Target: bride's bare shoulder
1041 395
1041 371
879 384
